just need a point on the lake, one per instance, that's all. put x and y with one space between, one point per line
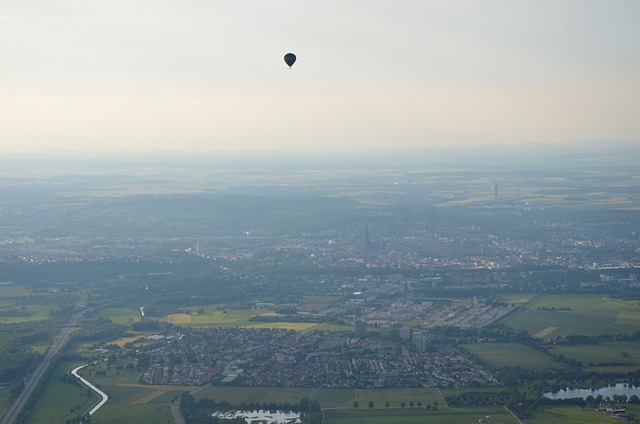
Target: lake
263 416
618 389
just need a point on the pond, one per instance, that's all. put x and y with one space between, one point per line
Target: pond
263 416
618 389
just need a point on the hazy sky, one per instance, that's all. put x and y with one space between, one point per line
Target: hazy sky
209 74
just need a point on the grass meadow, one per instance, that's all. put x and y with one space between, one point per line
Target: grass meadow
589 315
238 395
496 355
127 413
40 346
611 353
363 415
570 415
133 403
296 326
123 316
13 290
35 313
4 398
62 401
212 315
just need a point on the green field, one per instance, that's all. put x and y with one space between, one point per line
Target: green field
112 375
40 346
587 314
497 355
4 399
612 352
324 299
295 326
418 415
516 299
12 290
62 401
127 413
213 316
570 415
123 316
237 395
35 313
396 396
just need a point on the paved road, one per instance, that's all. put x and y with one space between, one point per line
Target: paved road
32 380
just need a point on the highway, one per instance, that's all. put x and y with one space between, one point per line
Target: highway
31 381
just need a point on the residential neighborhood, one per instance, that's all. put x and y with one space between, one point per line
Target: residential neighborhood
284 358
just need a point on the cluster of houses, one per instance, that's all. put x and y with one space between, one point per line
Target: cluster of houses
284 358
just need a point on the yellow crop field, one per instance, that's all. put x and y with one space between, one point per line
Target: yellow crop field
296 326
121 342
179 319
628 318
543 333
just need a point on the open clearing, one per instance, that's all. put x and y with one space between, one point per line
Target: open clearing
61 401
378 415
296 326
122 316
572 314
544 333
123 341
149 397
594 357
497 355
570 415
237 395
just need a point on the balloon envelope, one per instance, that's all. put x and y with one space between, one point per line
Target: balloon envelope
290 59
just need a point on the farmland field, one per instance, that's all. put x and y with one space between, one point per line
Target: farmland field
611 353
382 415
396 396
40 346
238 395
497 355
61 401
516 299
120 315
570 415
554 315
4 399
35 313
232 318
296 326
126 412
12 290
237 318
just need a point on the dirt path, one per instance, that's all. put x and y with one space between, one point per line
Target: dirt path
149 397
442 397
514 415
159 387
175 411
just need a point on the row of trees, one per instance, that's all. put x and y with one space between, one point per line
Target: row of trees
403 404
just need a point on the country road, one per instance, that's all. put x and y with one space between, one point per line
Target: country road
32 380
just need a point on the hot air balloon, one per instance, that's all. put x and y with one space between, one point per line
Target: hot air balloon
290 59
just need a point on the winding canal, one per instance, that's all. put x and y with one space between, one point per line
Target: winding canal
104 396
